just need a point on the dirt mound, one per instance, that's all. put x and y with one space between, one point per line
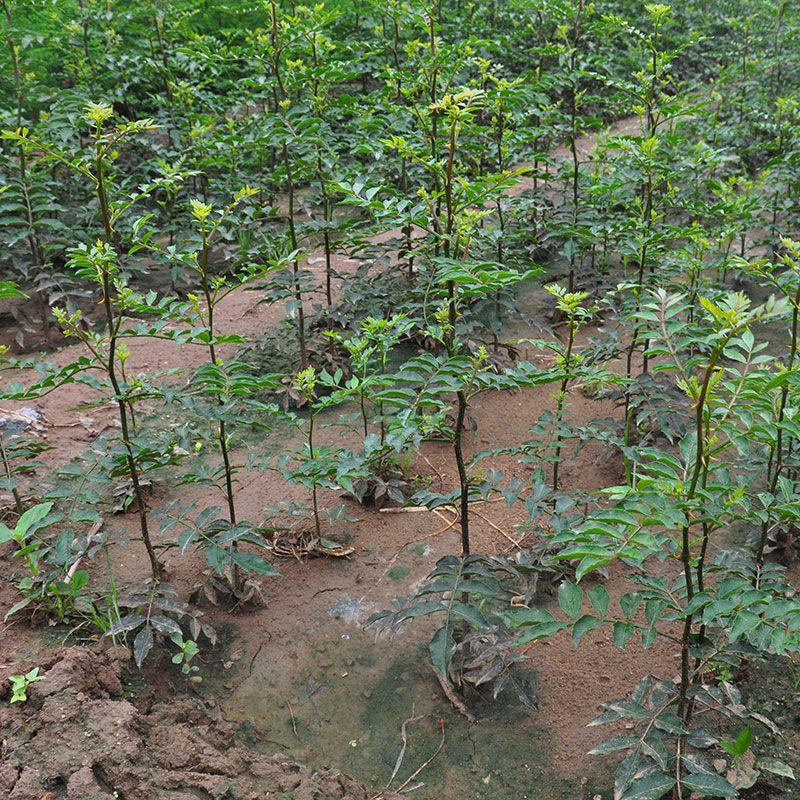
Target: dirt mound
77 738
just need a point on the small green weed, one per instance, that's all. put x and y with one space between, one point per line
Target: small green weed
20 684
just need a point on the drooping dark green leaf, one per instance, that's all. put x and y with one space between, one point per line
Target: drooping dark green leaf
777 767
708 784
252 562
585 624
670 723
127 623
442 647
599 598
570 598
613 744
622 632
650 787
142 644
701 738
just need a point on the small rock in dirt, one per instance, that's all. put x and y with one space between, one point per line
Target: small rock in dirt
20 420
352 610
59 709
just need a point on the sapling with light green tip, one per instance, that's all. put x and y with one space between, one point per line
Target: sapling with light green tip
369 352
214 291
312 465
99 263
571 304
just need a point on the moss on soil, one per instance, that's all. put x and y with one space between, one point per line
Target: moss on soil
348 705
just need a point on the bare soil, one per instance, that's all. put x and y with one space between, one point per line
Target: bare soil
79 737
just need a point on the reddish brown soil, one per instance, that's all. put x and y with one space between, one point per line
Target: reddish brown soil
77 737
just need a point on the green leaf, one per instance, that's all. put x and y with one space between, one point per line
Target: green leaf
701 738
622 632
744 621
517 617
707 784
776 767
80 579
651 787
599 598
142 645
17 607
217 558
657 750
670 723
649 635
642 689
8 289
585 624
31 518
252 562
441 647
127 623
696 762
699 601
541 631
629 603
613 744
469 614
570 598
589 563
628 708
653 609
165 625
744 740
419 610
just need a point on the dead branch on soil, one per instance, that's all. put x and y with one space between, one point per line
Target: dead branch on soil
438 474
446 528
416 772
291 714
402 753
450 524
457 702
499 529
93 531
449 506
